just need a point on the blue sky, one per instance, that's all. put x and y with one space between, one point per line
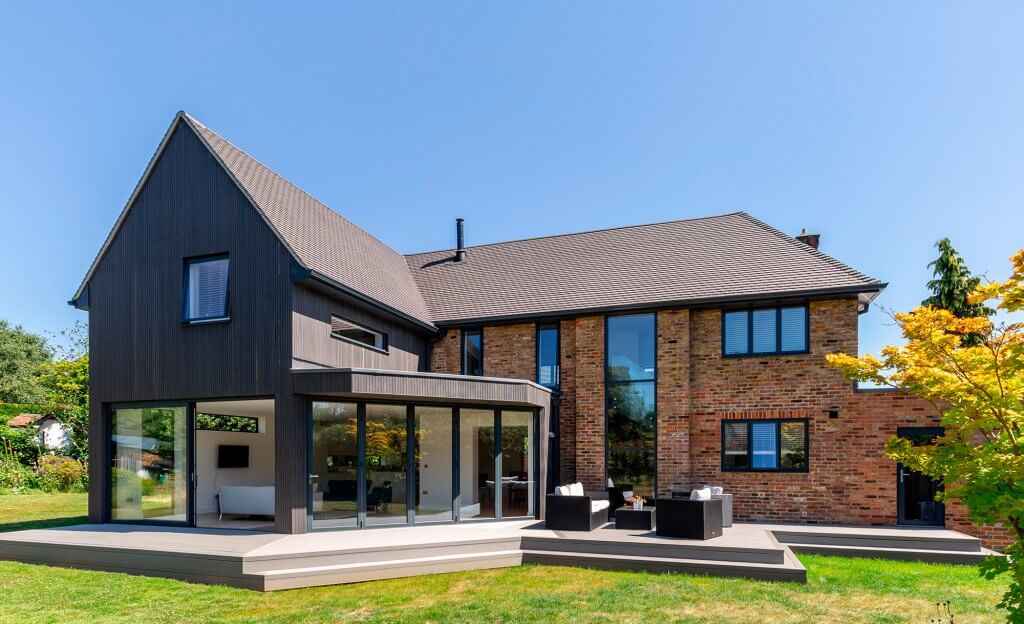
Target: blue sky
883 126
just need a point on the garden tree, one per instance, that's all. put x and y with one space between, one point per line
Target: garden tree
978 390
952 284
67 382
21 355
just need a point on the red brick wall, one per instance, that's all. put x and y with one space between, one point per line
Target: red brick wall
446 354
510 351
567 405
849 480
588 336
673 400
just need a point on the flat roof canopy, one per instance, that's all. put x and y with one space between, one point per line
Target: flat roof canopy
414 386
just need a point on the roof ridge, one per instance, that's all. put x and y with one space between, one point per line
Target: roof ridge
567 234
814 251
329 210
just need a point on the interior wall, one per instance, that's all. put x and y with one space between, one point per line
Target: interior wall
209 477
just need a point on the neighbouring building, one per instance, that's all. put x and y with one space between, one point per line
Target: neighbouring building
258 361
50 433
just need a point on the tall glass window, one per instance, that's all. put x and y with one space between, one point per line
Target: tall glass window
630 402
387 466
518 481
476 464
149 464
473 352
433 463
206 289
547 355
335 464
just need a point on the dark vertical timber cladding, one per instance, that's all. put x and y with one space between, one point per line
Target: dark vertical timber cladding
312 342
140 351
291 470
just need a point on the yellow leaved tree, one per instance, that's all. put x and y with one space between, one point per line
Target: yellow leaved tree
978 387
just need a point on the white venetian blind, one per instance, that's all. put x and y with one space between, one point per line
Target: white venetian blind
794 329
736 332
207 296
764 331
764 445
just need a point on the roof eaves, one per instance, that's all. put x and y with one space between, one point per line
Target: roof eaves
816 293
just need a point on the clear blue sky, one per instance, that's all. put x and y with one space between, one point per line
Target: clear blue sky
883 126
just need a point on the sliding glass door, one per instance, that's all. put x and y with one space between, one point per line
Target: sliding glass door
380 464
149 464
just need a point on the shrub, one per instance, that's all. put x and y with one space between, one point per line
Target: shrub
59 474
12 474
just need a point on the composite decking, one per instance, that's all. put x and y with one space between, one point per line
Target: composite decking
269 561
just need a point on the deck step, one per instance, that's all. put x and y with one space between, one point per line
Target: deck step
790 570
901 554
681 549
940 540
289 578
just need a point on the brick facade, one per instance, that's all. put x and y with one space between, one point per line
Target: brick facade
849 481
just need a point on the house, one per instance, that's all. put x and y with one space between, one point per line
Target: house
255 338
51 434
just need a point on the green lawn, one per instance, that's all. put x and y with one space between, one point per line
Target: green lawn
838 590
36 511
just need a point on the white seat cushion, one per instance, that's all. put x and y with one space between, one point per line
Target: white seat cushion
701 495
598 505
562 490
576 489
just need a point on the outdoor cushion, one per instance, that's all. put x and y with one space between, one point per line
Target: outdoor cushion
598 505
698 495
576 489
562 490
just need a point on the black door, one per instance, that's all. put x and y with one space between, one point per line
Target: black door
915 492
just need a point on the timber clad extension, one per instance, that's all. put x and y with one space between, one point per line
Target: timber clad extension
334 335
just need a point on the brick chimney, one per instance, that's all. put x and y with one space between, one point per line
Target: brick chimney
811 240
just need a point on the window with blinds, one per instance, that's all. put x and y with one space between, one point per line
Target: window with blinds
206 289
354 332
765 331
765 445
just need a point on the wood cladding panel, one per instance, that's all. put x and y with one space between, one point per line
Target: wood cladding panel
140 350
312 342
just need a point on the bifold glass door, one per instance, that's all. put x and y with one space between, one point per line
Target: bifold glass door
374 464
149 464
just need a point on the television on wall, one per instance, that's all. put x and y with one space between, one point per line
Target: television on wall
232 456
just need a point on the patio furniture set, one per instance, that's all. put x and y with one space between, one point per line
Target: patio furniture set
699 514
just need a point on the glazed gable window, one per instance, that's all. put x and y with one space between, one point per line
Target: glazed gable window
765 445
206 290
354 332
765 331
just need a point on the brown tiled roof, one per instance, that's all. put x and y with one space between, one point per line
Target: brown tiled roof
24 420
732 256
321 239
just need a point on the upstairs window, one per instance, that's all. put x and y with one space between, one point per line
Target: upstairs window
354 332
764 445
765 331
473 352
206 289
547 355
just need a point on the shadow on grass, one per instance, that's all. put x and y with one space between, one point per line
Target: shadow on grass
42 524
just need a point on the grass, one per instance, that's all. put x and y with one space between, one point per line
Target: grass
850 591
37 511
838 590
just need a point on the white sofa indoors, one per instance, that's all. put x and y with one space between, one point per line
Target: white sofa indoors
246 500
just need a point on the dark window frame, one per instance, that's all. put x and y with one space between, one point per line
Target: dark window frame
557 326
411 405
386 350
186 266
463 351
608 383
778 331
778 444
